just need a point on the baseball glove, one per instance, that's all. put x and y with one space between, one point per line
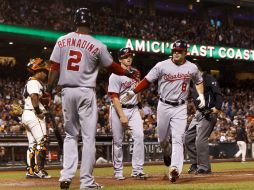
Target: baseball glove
16 109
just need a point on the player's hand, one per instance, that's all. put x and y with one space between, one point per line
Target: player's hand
124 121
215 110
132 73
128 96
41 116
201 98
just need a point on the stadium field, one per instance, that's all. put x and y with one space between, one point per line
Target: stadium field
225 176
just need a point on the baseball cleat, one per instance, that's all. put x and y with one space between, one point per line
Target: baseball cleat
193 168
65 184
202 171
30 175
46 175
173 174
119 177
94 186
39 174
140 175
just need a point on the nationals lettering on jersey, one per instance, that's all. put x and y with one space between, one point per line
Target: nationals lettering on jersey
174 80
178 76
122 84
79 56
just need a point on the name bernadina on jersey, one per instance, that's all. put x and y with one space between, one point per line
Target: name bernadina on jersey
80 43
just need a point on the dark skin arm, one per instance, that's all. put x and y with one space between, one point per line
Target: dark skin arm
35 103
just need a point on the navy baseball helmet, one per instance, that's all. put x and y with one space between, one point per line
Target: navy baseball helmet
179 45
123 52
82 17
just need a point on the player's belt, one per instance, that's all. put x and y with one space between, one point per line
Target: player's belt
172 103
128 106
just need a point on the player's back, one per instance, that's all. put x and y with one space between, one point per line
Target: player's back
79 56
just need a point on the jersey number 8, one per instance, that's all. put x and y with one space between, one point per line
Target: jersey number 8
184 86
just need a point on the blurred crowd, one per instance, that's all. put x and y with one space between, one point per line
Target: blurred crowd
238 111
127 22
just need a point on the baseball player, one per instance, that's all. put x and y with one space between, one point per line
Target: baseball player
75 63
241 141
174 76
202 124
126 115
34 120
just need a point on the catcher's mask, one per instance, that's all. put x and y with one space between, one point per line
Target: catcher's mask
124 53
37 65
82 17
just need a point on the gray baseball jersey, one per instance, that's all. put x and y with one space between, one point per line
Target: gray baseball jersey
174 80
120 85
173 86
79 56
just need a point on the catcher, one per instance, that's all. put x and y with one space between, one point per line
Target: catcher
33 118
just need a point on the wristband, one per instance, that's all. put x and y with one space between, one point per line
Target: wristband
37 110
139 105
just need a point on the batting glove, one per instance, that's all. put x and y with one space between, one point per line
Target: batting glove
201 98
128 96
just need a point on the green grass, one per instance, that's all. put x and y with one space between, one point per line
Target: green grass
18 177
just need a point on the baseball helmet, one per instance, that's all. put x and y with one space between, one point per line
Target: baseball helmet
180 45
37 65
82 17
124 52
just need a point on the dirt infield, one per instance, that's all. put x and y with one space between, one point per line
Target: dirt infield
218 177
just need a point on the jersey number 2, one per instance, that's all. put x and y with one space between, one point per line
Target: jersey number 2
74 60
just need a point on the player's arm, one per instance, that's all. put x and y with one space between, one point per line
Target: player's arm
35 102
141 111
217 95
53 75
144 84
118 70
118 107
107 61
200 88
198 80
201 98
